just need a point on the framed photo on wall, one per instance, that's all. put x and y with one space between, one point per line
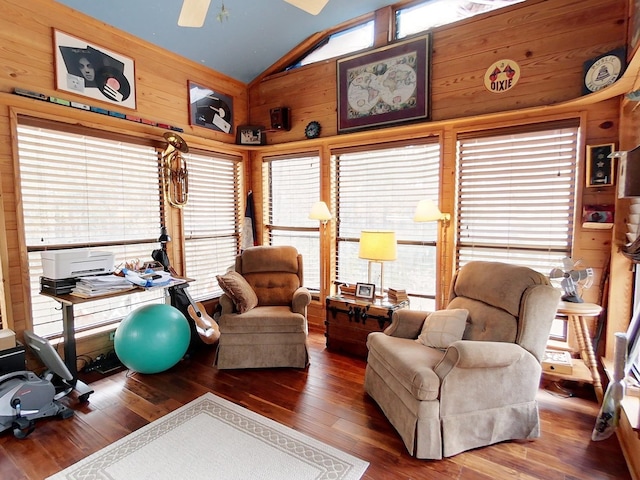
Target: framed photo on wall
600 167
93 71
209 109
384 86
250 135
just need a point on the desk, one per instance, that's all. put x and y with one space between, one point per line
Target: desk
576 316
68 302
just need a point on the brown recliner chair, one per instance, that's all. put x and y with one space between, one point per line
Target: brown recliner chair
445 395
263 322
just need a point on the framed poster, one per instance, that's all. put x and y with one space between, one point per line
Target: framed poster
600 172
384 86
93 71
210 109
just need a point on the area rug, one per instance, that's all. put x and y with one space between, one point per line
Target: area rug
212 438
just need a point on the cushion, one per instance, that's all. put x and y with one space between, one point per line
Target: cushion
440 329
240 292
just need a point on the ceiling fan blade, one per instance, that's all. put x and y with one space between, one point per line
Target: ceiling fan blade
193 13
314 7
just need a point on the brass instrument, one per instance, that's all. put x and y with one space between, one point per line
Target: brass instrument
175 177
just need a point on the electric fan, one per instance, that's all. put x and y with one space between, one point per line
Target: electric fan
574 276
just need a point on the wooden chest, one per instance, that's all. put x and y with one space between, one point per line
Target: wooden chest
349 321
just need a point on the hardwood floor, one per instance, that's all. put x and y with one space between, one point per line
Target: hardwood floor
325 401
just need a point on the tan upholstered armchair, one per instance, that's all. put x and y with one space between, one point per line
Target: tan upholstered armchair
445 395
263 322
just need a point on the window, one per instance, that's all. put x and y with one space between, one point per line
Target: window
211 220
81 190
340 43
516 197
379 189
434 13
294 186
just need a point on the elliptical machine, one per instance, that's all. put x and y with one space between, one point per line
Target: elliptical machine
26 397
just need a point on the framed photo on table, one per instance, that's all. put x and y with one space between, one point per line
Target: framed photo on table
366 291
600 166
93 71
384 86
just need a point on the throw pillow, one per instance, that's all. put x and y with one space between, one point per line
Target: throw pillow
240 292
440 329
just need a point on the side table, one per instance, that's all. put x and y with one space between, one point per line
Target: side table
576 316
348 322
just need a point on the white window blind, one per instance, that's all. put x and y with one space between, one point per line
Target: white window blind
379 190
516 197
80 190
211 220
294 186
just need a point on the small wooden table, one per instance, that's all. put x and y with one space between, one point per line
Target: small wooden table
576 315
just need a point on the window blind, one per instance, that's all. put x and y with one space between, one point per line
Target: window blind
80 190
294 186
211 219
379 189
516 197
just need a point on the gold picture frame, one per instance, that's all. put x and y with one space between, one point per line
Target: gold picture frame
600 170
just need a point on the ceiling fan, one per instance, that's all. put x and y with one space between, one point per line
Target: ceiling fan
193 12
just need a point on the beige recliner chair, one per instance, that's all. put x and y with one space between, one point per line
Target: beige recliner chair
263 322
445 395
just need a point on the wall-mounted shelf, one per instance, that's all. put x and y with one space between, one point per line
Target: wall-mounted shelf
597 226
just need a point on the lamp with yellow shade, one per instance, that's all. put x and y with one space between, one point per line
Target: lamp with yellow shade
378 246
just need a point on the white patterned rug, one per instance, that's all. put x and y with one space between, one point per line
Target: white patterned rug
213 438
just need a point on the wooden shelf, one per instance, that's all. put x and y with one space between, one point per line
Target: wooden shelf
597 226
581 373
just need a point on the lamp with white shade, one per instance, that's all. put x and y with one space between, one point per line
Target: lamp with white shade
378 246
320 211
428 211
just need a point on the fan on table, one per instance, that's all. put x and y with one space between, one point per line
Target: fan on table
194 12
574 276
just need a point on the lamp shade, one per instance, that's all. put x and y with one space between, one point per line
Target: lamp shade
378 245
427 211
320 211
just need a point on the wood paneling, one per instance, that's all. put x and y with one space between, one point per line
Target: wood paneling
26 50
549 40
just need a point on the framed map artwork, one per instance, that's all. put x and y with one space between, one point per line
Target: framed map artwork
384 86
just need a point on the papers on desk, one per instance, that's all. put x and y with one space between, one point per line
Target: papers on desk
89 287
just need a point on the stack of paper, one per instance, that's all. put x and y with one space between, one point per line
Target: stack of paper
88 287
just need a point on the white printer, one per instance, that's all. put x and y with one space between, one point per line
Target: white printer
76 262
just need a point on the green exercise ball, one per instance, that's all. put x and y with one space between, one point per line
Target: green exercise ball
152 339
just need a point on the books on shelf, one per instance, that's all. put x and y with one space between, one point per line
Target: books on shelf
396 295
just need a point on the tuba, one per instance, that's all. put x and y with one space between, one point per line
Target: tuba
175 177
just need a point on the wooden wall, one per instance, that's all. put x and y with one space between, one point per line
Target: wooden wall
549 39
27 61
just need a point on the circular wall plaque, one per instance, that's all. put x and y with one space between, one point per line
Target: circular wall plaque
604 71
502 76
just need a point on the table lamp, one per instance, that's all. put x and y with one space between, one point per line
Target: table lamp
378 246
